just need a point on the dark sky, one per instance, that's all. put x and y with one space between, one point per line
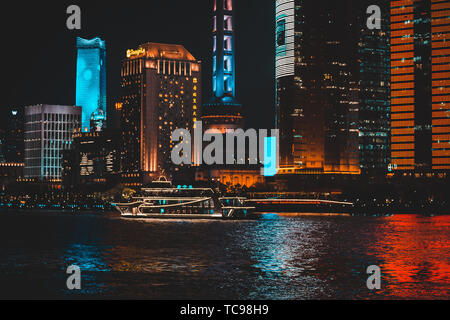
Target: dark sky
39 55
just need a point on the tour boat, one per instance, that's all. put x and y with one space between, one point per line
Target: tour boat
164 201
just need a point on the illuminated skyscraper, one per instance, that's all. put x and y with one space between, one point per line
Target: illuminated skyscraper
48 132
223 111
91 83
317 87
420 84
161 92
374 90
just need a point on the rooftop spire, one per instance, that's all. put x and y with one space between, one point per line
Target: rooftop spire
223 51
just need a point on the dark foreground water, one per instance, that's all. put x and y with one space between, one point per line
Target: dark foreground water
272 258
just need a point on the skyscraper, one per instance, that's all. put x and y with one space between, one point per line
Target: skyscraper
2 157
93 160
374 90
317 86
223 111
161 92
48 131
420 83
11 135
91 83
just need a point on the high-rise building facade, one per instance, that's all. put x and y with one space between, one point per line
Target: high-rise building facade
11 135
317 86
2 156
223 111
91 83
48 131
161 92
420 85
93 160
374 90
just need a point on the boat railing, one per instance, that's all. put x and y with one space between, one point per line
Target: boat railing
169 198
184 200
162 206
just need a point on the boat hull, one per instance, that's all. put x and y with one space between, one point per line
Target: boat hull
175 216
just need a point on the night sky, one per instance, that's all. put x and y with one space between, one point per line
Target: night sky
39 53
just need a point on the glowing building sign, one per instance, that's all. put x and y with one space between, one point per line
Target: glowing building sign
91 81
138 52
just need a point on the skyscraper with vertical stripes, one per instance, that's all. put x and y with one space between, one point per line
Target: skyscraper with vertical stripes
420 85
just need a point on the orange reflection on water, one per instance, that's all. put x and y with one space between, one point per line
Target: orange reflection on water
415 249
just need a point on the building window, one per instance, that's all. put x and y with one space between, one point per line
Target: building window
228 5
227 23
227 43
226 85
227 64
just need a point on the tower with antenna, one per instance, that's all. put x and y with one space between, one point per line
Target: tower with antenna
223 111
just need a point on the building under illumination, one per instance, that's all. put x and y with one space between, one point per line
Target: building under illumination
48 132
10 173
161 92
93 160
317 87
420 84
374 91
223 111
91 83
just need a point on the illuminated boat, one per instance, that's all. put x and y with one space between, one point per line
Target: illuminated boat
165 201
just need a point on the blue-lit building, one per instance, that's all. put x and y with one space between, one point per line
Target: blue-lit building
91 83
223 111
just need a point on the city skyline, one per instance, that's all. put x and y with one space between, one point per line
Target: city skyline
341 106
253 150
55 52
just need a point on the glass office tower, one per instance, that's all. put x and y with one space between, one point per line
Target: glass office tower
374 91
317 86
91 83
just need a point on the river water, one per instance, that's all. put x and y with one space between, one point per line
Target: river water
275 257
